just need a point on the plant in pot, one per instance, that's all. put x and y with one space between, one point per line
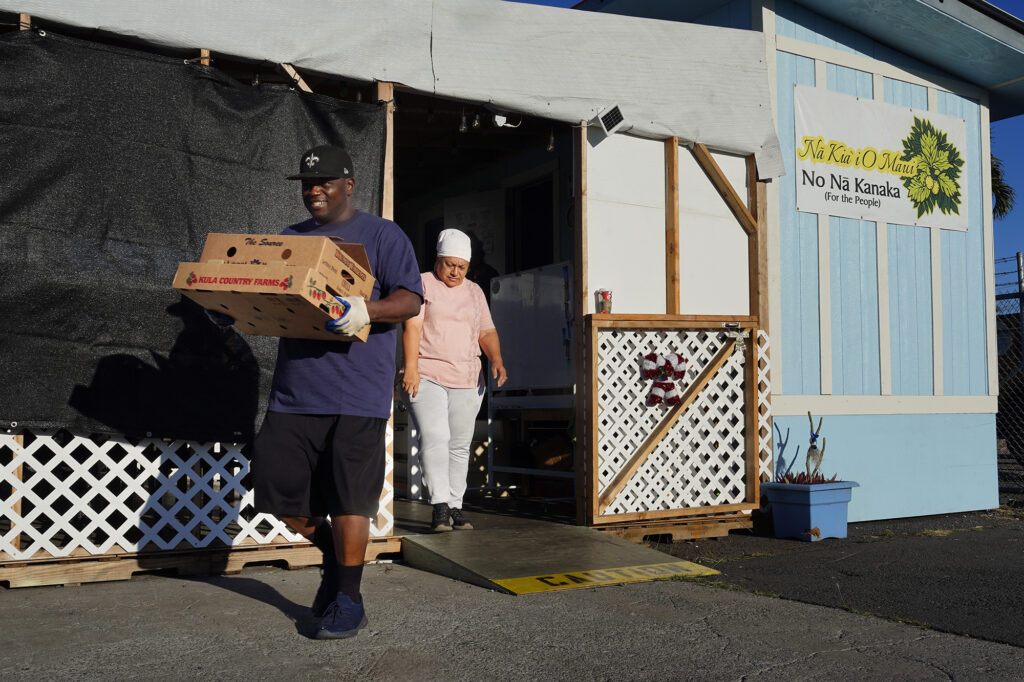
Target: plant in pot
808 506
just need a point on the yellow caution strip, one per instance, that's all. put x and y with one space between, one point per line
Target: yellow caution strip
604 576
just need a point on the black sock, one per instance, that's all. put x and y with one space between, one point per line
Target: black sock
349 580
323 538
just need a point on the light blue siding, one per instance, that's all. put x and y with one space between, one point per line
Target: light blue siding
795 21
906 465
910 282
854 298
905 94
853 267
849 81
964 348
800 338
910 309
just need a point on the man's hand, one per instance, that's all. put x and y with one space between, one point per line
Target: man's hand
220 319
353 319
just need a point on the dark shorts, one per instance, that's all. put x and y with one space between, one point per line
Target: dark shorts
317 465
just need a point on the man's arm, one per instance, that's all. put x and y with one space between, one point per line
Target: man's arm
398 306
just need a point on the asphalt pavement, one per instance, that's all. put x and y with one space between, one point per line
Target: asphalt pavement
256 626
958 573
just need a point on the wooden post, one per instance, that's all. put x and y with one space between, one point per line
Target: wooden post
204 57
753 280
386 94
24 22
672 226
757 200
751 419
582 331
724 187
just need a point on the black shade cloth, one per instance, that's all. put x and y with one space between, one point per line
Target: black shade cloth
115 165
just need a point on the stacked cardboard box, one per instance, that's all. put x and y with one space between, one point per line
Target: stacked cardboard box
277 285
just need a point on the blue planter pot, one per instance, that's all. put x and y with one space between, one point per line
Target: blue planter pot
809 512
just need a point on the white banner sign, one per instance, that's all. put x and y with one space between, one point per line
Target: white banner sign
859 158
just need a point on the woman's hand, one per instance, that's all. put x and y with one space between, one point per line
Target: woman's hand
499 373
411 381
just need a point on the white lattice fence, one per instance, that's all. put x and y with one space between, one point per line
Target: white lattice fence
66 495
764 407
701 461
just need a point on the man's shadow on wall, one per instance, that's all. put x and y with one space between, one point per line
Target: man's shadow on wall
205 391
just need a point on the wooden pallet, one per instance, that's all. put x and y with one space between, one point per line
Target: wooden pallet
687 528
77 570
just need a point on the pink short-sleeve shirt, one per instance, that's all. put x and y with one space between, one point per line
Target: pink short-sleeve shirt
453 318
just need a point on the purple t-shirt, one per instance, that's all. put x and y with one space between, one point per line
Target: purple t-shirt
349 377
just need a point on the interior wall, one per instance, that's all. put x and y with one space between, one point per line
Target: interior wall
423 213
713 258
626 222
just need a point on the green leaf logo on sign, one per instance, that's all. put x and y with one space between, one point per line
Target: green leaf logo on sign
935 184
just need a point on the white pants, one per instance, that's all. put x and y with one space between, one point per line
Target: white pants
445 418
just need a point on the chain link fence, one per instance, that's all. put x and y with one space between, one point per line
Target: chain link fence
1010 347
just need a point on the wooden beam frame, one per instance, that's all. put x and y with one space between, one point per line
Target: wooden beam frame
672 293
725 189
656 436
585 347
634 517
386 95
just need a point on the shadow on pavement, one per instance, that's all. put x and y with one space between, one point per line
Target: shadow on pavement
958 573
300 614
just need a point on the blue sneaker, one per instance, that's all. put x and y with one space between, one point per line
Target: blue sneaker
328 590
344 618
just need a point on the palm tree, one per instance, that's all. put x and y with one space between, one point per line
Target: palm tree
1002 193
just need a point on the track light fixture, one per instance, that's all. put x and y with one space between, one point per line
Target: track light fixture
462 122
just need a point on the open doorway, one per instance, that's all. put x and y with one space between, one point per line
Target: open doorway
506 180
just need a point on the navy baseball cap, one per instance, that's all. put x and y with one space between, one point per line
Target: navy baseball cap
325 161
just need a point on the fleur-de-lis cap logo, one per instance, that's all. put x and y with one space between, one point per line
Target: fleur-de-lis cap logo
311 160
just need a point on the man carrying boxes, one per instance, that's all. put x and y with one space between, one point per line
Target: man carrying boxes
318 461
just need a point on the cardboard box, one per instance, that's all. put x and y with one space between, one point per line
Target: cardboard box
277 285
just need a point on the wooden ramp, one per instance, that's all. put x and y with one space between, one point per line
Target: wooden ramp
539 556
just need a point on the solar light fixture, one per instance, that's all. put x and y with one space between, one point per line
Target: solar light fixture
611 119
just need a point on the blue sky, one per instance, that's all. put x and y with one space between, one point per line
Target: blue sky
1007 143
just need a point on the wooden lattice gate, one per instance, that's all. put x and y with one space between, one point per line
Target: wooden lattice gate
77 508
690 469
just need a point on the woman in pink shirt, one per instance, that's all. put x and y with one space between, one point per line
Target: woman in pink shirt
443 377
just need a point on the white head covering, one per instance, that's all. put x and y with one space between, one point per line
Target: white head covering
454 243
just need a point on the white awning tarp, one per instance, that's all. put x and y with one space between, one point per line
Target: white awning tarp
698 83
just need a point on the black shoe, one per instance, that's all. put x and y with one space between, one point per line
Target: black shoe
328 590
441 521
459 521
344 618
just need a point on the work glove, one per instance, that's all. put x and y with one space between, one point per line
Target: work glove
353 319
220 319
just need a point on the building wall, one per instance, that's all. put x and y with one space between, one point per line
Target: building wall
886 329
